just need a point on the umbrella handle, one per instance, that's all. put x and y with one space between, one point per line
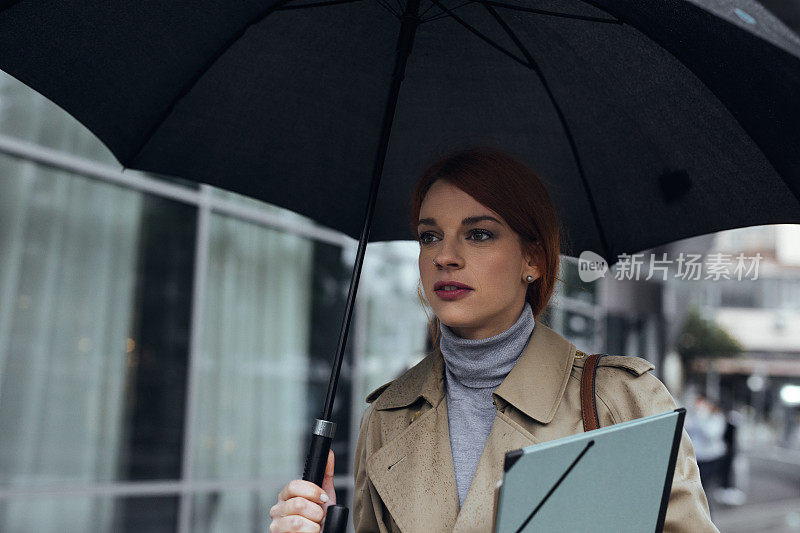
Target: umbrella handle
314 471
336 519
317 458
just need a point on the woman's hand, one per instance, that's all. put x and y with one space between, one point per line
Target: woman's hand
302 505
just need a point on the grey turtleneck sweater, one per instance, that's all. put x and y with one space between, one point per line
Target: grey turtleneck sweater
473 369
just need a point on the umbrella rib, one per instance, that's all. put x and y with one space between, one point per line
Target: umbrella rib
440 14
551 13
199 74
533 65
479 34
510 33
388 8
426 10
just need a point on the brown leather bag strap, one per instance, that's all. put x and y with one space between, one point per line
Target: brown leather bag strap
588 405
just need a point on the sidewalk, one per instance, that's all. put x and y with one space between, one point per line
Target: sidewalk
772 484
773 517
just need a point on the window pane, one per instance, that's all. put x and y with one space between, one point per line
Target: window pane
253 360
397 329
573 286
247 202
68 254
156 388
95 293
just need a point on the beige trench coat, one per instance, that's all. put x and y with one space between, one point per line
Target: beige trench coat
404 476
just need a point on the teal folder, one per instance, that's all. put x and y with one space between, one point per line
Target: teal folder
617 478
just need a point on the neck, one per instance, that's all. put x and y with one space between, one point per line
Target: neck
487 330
480 363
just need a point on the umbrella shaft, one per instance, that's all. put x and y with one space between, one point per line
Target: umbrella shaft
405 41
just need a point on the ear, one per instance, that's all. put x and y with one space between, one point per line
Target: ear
533 260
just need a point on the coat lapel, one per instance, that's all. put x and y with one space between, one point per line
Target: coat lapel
477 513
414 475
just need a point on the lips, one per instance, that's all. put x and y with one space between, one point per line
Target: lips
450 290
440 285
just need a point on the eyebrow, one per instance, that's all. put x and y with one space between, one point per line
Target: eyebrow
466 222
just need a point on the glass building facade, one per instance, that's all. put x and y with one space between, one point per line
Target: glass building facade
165 346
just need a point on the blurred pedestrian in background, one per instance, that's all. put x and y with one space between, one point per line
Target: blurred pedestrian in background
727 492
706 426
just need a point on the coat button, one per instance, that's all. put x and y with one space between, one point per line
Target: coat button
416 415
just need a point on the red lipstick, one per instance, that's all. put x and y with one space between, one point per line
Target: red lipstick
451 290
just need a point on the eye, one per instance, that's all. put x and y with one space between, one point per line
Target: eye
480 235
426 237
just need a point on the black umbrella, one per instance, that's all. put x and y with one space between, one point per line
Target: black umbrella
650 121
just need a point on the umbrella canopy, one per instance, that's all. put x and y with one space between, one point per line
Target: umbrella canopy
650 121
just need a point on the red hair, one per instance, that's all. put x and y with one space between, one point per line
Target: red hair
508 187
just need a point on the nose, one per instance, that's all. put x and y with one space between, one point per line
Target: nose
448 255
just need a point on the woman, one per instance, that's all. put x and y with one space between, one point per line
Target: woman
432 441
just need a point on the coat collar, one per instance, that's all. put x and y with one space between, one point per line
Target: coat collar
424 380
537 382
534 386
413 470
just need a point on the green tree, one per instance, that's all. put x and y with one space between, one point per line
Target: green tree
704 338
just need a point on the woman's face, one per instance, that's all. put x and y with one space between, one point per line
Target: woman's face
473 246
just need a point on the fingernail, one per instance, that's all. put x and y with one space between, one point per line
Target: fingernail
324 497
